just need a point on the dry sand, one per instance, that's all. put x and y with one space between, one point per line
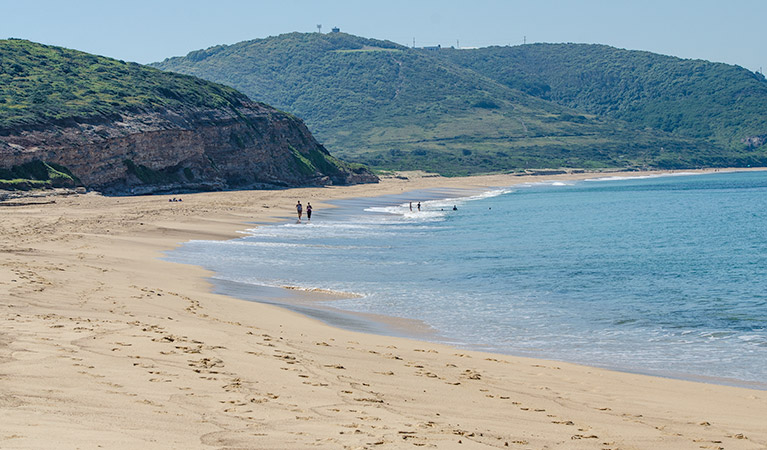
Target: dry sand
103 345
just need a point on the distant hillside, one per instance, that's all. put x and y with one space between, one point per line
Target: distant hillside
719 102
390 106
68 117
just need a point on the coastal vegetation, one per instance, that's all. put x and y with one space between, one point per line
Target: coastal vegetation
36 175
41 83
459 112
722 103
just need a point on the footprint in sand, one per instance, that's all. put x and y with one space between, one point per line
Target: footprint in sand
564 422
581 436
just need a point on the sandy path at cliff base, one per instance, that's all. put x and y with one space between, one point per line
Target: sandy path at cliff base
103 345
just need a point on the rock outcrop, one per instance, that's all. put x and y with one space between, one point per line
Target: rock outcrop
165 150
754 141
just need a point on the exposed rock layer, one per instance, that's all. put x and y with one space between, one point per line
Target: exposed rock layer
248 145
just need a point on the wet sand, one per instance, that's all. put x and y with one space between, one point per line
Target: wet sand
105 345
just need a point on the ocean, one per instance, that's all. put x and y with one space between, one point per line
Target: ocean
660 275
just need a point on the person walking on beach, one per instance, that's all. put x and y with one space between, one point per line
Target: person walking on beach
308 212
299 210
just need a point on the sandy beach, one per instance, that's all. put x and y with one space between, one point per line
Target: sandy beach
104 345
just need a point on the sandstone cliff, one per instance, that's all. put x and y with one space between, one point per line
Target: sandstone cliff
166 150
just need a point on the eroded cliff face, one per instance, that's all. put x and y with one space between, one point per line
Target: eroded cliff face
251 145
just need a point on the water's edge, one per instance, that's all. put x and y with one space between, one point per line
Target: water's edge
307 303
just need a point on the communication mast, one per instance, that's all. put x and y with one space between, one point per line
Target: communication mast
319 28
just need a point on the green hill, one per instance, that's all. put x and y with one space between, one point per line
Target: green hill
69 117
724 104
41 83
390 106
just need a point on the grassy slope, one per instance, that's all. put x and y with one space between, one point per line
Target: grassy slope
718 102
40 83
36 175
393 107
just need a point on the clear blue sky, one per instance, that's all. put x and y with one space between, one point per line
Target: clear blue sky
730 31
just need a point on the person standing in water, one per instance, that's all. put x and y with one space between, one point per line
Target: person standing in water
411 206
419 206
308 212
299 210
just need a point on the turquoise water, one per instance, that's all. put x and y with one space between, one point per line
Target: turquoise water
659 275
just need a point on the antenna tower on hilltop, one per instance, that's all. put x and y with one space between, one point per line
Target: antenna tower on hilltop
319 28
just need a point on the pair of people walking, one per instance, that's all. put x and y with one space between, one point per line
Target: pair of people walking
300 211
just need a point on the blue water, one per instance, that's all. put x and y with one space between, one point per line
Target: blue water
659 275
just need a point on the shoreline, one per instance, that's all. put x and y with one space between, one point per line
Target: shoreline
312 305
104 344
